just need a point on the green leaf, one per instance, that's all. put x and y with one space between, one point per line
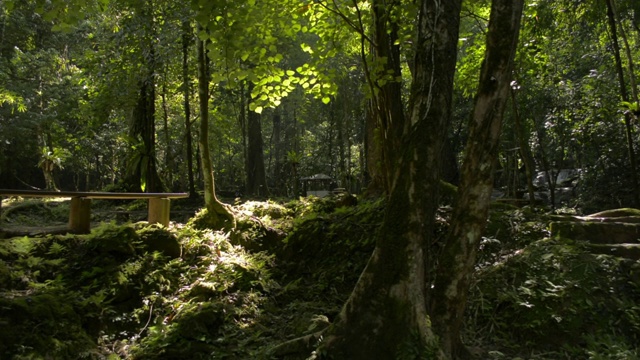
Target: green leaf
326 100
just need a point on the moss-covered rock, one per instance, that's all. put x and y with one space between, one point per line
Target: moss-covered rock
597 232
156 238
616 213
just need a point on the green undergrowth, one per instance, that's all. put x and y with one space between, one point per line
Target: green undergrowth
146 292
135 291
555 300
122 293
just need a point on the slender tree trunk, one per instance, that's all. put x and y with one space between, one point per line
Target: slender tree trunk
242 120
218 214
627 49
372 153
256 176
474 194
296 152
165 118
277 152
525 150
342 174
187 34
625 97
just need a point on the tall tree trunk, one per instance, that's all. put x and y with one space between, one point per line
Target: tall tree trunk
256 176
625 97
343 173
386 316
525 150
372 153
187 34
450 171
388 106
457 261
277 153
165 119
218 215
143 173
242 121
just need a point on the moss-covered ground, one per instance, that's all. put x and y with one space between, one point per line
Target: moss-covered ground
133 291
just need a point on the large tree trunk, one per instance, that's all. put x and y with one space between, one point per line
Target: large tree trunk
457 261
386 316
218 215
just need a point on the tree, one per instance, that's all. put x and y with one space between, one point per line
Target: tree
455 266
217 214
187 35
611 16
386 315
256 175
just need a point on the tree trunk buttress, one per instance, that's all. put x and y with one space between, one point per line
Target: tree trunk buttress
386 315
218 214
474 194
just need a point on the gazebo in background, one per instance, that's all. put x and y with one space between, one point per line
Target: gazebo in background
319 185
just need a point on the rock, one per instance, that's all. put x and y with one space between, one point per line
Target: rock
614 213
160 239
597 232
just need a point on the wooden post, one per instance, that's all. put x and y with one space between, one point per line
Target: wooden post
159 211
80 215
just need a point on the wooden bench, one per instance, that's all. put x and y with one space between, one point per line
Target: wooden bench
80 209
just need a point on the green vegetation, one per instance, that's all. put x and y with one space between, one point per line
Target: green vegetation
427 107
134 291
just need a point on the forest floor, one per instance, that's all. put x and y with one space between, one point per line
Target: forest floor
545 288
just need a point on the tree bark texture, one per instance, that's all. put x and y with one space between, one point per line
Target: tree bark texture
256 175
386 315
217 213
474 194
387 103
